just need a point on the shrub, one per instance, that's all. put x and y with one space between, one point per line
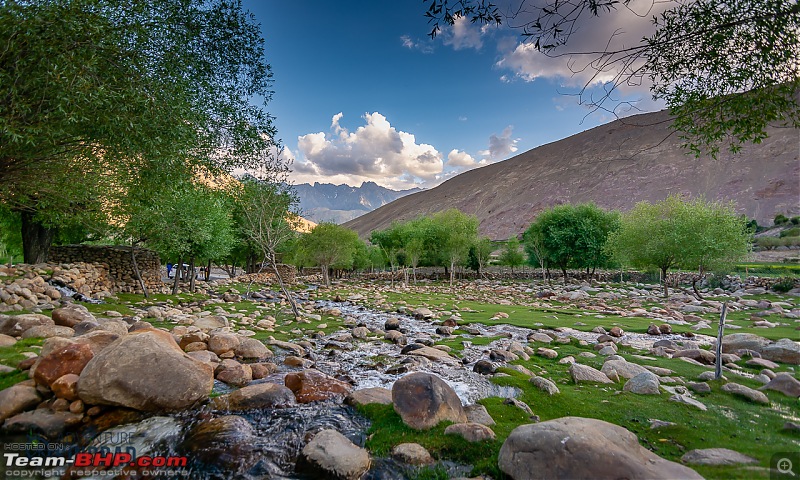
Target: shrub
784 284
791 232
768 243
780 219
790 241
795 220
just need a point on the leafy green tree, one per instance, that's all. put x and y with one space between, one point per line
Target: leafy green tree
330 245
479 254
454 233
676 232
390 242
97 90
699 57
571 236
511 254
417 240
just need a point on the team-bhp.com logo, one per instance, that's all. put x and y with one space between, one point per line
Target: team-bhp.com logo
94 461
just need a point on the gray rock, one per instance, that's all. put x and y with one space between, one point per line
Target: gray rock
646 383
624 368
784 383
261 395
574 447
699 387
334 456
412 454
471 432
688 401
746 392
584 373
716 456
783 351
477 413
252 349
423 400
545 385
51 424
367 396
17 399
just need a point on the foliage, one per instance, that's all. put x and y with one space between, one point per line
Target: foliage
791 232
676 232
780 219
700 57
99 90
479 253
784 284
795 220
571 236
330 246
511 254
454 233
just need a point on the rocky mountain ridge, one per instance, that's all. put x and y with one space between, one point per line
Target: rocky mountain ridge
323 202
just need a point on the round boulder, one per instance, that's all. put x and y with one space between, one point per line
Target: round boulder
332 455
145 370
312 385
575 447
262 395
423 400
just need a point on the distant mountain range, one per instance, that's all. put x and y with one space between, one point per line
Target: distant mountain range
325 202
614 165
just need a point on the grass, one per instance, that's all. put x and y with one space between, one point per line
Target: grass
11 356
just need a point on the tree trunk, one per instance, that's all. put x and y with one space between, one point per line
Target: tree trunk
285 290
36 239
664 280
564 272
177 276
325 275
136 271
191 274
208 271
452 271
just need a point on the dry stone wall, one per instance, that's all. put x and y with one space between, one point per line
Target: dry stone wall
116 262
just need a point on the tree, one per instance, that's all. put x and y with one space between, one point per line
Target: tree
97 90
677 232
416 239
571 236
390 241
479 254
511 254
454 233
330 245
726 69
268 221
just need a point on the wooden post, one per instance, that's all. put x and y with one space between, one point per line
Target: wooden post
718 366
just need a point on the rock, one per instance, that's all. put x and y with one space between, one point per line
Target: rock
665 328
50 424
367 396
252 349
7 340
584 373
291 347
226 442
261 370
761 363
624 368
539 337
360 332
396 337
783 351
145 370
444 331
477 413
48 331
431 353
699 387
746 392
707 376
71 358
72 315
211 322
484 367
518 404
616 332
422 313
97 340
545 385
412 454
716 456
546 353
646 383
251 397
703 356
293 361
423 400
743 341
471 432
66 387
574 447
653 329
688 401
221 343
503 356
392 323
16 399
312 386
332 455
234 373
784 383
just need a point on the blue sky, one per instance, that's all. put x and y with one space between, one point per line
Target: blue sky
362 94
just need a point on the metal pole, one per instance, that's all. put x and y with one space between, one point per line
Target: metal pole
718 366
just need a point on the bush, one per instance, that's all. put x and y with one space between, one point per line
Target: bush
768 243
791 232
780 219
790 241
784 285
795 220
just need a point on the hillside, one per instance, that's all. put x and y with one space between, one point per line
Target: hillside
324 202
615 165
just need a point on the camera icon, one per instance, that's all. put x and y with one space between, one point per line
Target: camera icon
785 465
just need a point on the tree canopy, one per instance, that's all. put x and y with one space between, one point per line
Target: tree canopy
726 69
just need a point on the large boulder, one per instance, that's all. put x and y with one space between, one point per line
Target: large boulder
71 358
72 315
784 351
312 386
371 395
331 455
252 349
226 442
423 400
17 399
784 383
145 370
262 395
582 448
586 374
624 368
743 341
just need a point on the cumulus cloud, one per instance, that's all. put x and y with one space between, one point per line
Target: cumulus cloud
501 146
464 34
376 151
424 46
457 158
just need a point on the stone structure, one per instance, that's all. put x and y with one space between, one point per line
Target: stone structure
288 274
115 263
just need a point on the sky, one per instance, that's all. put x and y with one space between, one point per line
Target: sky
361 93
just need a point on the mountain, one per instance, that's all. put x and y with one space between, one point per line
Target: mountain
614 165
324 202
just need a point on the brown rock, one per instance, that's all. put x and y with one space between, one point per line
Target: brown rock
262 395
17 399
366 396
69 359
784 383
423 400
312 386
471 432
261 370
72 315
412 454
66 386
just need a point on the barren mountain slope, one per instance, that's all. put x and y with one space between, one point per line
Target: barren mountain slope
615 165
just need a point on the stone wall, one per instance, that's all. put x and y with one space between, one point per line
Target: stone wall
116 261
288 274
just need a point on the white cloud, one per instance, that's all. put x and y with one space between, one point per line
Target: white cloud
502 146
457 158
376 151
464 34
424 46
